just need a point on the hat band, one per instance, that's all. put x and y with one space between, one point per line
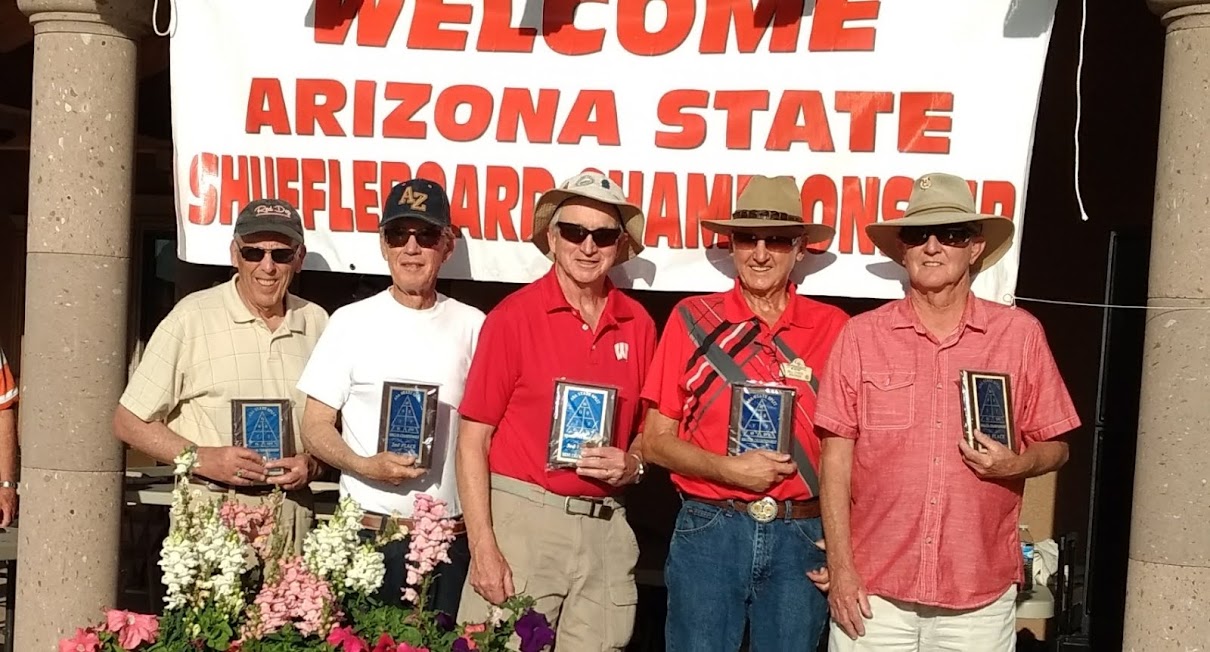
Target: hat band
751 214
940 208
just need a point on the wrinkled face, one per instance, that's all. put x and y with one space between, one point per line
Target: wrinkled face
764 258
939 257
414 251
267 263
585 238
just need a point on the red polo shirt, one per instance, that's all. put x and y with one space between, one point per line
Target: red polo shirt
531 339
686 385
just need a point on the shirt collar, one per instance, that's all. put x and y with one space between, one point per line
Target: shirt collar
239 313
554 301
737 310
974 315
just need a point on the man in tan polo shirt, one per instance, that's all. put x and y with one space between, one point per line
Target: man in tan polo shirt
247 339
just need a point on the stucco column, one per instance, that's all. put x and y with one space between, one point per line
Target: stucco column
76 306
1169 574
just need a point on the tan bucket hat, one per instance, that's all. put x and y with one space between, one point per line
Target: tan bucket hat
592 185
938 199
771 203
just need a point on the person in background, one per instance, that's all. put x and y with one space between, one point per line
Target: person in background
8 443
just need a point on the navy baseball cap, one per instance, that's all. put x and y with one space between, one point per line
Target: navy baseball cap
420 199
270 216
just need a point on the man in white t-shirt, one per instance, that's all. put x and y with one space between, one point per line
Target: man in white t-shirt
407 334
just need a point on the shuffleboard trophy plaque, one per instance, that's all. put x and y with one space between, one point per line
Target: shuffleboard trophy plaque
583 418
987 406
265 426
762 418
408 420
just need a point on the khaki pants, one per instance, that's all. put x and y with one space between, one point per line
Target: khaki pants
578 567
905 627
294 521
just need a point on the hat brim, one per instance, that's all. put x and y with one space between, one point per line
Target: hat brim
429 219
544 211
270 227
814 233
997 234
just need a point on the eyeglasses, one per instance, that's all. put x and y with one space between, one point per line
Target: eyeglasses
279 256
427 237
950 236
779 244
576 234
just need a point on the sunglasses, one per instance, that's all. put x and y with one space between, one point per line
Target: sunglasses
279 256
427 237
950 236
779 244
576 234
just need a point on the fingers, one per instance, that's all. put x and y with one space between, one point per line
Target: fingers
786 468
247 454
509 590
865 606
401 460
6 516
822 545
776 457
988 443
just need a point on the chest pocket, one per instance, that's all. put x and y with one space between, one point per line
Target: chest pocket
888 399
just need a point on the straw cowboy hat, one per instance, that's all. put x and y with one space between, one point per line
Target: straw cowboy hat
771 203
939 199
596 186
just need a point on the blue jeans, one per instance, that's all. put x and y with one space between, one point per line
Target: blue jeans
724 568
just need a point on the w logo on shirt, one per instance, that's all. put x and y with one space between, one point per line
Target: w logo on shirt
622 350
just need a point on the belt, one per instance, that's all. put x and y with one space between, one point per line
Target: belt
590 506
375 522
766 509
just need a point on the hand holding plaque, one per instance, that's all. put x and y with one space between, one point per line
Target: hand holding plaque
583 418
264 426
408 420
762 418
987 406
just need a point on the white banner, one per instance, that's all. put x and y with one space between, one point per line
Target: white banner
327 103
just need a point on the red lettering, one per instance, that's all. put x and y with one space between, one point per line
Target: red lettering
497 210
518 107
820 190
633 186
594 114
365 199
266 107
429 16
751 23
894 197
632 27
375 21
739 106
311 110
203 186
234 187
312 193
481 106
828 30
363 108
560 32
999 198
857 209
433 172
692 126
787 129
863 109
464 201
390 174
340 217
664 213
496 34
411 98
702 204
915 120
534 181
287 178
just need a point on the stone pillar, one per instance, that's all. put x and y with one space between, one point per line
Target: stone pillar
76 306
1169 569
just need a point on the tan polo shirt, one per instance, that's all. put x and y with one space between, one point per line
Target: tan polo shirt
211 349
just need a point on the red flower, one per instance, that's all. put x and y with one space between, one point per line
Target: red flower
85 640
343 638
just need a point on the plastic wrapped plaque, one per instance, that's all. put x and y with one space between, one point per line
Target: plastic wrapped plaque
762 418
408 420
263 425
583 418
987 406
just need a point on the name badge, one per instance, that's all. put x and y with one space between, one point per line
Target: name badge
264 426
987 406
796 370
408 420
762 418
583 418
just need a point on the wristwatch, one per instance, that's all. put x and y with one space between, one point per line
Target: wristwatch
638 477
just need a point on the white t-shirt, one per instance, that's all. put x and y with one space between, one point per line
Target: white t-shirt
376 340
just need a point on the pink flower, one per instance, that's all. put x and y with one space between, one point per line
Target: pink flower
254 523
298 597
431 536
407 647
85 640
385 644
132 629
474 628
343 638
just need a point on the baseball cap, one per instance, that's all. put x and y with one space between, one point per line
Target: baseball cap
418 198
270 216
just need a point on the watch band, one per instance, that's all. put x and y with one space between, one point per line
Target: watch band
641 470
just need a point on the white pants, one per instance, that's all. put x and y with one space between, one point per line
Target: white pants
906 627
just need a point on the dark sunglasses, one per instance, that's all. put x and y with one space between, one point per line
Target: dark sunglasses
576 234
950 236
427 237
279 256
775 243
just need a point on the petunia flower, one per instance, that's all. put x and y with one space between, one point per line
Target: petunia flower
85 640
132 629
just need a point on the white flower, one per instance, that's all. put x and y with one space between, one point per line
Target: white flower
184 463
334 552
367 571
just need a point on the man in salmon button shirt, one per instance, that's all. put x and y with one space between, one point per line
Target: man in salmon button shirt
559 534
923 552
745 459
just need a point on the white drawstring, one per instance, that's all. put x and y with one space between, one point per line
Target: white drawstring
1079 77
155 12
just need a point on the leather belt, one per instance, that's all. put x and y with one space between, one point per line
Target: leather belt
592 507
376 522
766 509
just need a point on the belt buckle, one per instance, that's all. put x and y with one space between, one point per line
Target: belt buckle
763 510
593 505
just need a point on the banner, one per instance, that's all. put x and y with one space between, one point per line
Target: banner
327 103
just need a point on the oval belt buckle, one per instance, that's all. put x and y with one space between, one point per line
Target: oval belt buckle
763 510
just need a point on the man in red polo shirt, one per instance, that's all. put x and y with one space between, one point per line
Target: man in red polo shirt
922 527
559 534
745 458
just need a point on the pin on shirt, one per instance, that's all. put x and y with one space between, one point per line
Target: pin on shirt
796 370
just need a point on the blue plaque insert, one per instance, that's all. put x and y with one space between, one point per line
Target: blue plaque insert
583 418
263 426
761 417
408 420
